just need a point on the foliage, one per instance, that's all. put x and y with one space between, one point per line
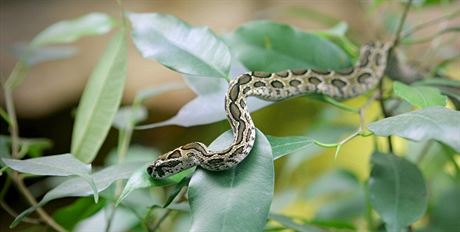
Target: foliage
392 195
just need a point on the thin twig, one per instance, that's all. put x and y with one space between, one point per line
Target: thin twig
166 214
431 22
12 213
401 23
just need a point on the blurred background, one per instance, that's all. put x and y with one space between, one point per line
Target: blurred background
47 99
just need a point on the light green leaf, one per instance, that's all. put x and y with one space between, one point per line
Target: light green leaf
100 100
37 55
242 194
71 30
436 123
157 90
269 46
55 165
141 179
336 182
177 45
76 187
291 224
285 145
419 96
397 191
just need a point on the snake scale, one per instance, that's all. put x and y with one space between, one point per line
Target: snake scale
341 84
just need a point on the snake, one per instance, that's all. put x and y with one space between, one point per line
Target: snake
339 84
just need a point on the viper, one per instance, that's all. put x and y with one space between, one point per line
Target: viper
338 84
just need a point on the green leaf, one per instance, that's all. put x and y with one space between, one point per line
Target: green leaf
76 187
32 146
81 209
436 123
55 165
141 179
177 45
237 199
269 46
157 90
419 96
336 182
71 30
445 214
100 100
291 224
397 191
285 145
135 154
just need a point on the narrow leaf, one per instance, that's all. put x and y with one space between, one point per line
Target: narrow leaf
71 30
76 187
243 194
436 123
100 101
56 165
177 45
397 191
420 96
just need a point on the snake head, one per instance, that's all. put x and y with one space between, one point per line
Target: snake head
170 163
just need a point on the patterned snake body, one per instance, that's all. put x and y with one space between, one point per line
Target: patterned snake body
342 84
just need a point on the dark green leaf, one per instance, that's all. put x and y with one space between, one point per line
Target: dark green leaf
269 46
397 191
237 199
81 209
100 100
71 30
177 45
436 123
419 96
445 215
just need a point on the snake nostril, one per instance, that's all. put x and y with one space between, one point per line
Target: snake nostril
149 170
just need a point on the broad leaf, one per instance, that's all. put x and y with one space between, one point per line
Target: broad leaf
100 101
397 191
446 213
436 123
177 45
285 145
76 187
269 46
420 96
243 194
55 165
333 183
71 30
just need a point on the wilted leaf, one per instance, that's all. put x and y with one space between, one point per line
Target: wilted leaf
397 191
177 45
420 96
243 193
71 30
100 101
436 123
